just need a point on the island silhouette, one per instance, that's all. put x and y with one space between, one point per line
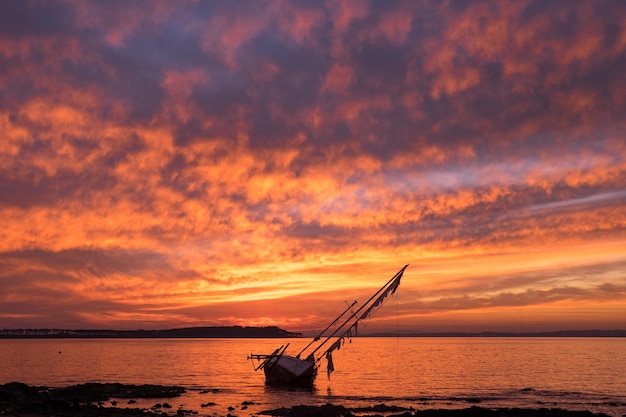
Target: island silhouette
186 332
269 332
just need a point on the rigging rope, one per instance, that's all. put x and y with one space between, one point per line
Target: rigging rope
397 341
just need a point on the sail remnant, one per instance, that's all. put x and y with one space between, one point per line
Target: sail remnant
391 289
330 367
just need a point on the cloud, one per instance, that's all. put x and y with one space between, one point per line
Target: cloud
233 148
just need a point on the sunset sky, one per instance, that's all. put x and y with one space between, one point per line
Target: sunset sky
192 163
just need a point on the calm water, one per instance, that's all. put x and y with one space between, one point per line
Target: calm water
575 373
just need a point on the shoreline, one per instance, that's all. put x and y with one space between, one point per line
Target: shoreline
274 332
102 400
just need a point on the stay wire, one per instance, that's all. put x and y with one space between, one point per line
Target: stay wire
397 342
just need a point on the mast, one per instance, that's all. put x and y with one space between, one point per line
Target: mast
327 327
390 286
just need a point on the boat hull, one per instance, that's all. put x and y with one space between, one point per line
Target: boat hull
285 370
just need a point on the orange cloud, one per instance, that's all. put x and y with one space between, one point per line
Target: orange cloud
202 164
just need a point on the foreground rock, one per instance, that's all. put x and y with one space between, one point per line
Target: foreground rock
330 410
86 400
78 400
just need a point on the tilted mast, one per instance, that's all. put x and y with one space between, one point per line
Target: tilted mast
389 288
327 327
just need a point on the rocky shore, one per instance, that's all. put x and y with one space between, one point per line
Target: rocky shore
88 400
330 410
18 399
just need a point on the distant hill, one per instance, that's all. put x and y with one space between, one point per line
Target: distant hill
560 333
268 332
188 332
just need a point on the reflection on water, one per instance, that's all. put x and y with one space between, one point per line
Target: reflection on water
575 373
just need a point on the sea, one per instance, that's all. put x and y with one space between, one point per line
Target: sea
412 372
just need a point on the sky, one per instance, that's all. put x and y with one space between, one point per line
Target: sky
168 164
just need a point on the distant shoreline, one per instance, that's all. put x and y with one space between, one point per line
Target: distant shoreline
265 332
182 333
559 333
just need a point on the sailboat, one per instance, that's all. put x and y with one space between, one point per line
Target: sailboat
300 370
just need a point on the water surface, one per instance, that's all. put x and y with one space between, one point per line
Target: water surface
572 373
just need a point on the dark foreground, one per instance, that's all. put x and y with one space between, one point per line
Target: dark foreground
87 400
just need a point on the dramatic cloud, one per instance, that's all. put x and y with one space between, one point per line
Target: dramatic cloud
196 163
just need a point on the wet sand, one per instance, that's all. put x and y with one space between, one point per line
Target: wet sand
93 400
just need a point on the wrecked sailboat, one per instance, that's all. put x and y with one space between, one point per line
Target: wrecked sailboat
300 370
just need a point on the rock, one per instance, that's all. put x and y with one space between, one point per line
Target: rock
14 390
327 410
380 408
91 392
473 400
